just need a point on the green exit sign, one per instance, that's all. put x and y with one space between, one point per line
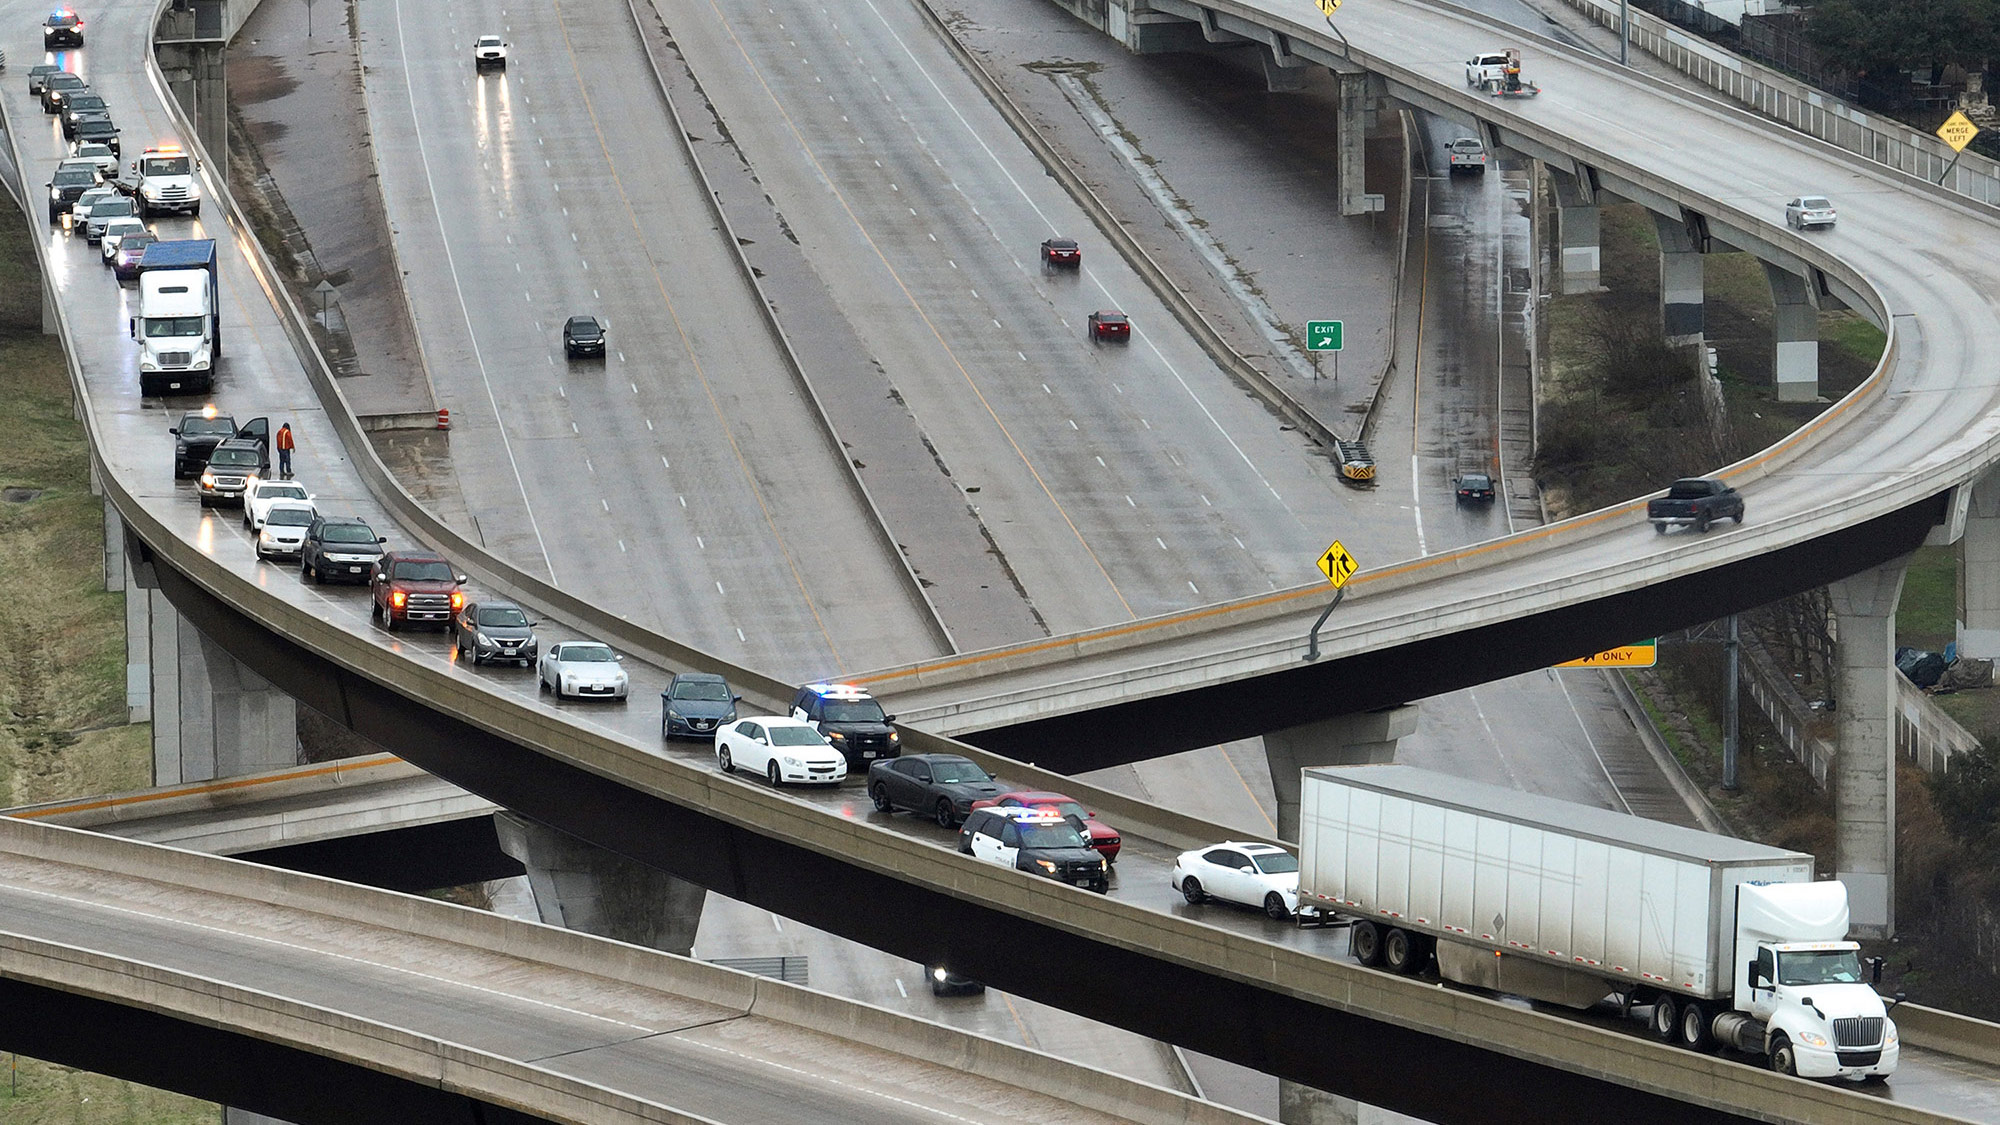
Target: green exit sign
1323 335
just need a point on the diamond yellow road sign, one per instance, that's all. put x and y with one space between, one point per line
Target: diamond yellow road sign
1328 7
1337 565
1957 131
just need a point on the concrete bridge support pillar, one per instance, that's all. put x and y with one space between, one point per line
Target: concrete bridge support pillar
1283 75
1351 145
1979 573
213 716
1795 335
1304 1105
194 72
1680 283
582 887
1864 766
1577 222
1350 740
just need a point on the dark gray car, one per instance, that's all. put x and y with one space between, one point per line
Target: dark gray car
942 786
340 550
495 630
695 704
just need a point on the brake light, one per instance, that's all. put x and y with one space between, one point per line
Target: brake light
398 598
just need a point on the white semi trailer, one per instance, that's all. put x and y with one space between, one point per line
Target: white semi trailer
1730 943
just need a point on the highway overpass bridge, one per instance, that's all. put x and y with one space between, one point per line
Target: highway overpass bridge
596 777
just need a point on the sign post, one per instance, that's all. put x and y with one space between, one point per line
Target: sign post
1957 131
1338 566
1326 336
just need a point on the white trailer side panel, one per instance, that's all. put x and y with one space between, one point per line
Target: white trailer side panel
1533 877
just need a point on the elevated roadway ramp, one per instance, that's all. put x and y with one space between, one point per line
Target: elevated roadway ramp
337 1003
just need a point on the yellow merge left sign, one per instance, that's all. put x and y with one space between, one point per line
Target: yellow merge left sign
1328 7
1957 131
1337 565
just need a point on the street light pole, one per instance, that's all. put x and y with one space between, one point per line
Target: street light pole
1624 32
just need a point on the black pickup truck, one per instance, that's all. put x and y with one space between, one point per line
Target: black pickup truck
1696 501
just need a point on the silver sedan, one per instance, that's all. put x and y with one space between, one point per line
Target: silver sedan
583 670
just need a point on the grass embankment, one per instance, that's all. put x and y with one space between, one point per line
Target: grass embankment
1623 414
63 729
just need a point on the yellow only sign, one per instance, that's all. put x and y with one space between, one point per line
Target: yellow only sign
1958 131
1328 7
1337 565
1642 655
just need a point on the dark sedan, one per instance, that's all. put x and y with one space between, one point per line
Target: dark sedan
1062 253
1108 325
1476 488
942 786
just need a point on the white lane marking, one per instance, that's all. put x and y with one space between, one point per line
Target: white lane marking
171 920
900 990
1498 750
1417 504
403 51
1591 742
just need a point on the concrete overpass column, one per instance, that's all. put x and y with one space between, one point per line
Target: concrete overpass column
1351 145
213 716
119 577
1350 740
1864 766
1680 283
583 887
194 72
1577 223
1795 335
1979 573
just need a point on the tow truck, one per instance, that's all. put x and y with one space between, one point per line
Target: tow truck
1499 73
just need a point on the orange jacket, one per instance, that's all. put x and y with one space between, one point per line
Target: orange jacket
285 438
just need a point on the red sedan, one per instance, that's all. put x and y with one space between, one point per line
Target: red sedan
1103 838
1108 325
1062 253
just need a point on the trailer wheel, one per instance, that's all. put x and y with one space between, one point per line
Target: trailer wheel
1696 1034
1666 1018
1364 940
1401 952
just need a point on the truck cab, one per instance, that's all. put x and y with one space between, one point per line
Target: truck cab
163 182
1807 1004
179 335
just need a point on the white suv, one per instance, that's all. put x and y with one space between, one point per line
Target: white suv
489 51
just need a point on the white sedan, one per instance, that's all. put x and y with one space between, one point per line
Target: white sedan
115 232
1260 875
583 670
284 531
261 495
782 749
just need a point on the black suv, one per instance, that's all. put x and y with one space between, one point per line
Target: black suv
97 131
583 335
63 28
942 786
851 719
85 105
235 463
341 549
1040 843
202 430
69 183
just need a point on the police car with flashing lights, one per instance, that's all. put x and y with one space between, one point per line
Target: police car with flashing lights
1036 841
851 720
63 28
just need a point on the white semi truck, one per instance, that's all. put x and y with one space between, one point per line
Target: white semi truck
179 326
1730 943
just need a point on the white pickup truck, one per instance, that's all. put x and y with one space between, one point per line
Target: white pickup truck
487 51
1465 154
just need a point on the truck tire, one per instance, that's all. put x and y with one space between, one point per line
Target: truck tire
1695 1029
1659 527
1701 522
1364 940
1402 952
1666 1019
1784 1057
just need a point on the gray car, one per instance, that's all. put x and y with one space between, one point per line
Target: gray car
495 630
695 704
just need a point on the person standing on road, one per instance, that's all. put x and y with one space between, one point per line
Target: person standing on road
285 445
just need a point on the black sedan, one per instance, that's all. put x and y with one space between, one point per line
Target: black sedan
583 336
1476 488
942 786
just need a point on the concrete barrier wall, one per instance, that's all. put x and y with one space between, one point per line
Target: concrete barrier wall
739 992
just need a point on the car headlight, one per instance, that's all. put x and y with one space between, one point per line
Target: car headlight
266 537
481 638
1812 1038
1046 865
55 194
731 717
674 714
208 480
146 363
1100 863
836 736
792 762
894 738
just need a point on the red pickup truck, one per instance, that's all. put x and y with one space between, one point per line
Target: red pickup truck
416 586
1696 502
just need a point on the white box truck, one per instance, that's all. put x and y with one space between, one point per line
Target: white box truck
1730 943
